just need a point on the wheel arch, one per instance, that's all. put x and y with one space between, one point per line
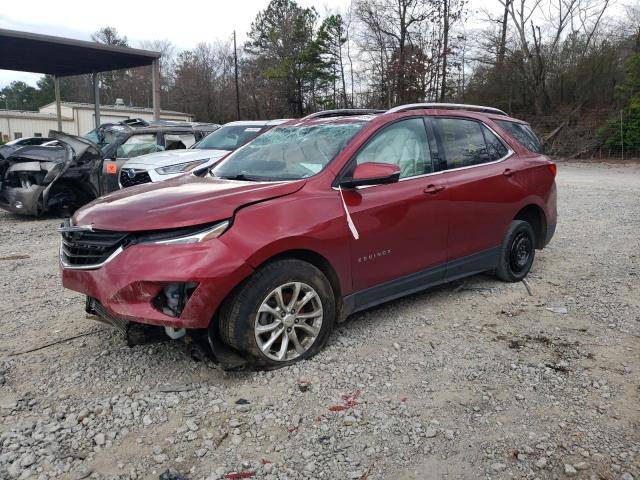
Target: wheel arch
535 215
71 185
321 263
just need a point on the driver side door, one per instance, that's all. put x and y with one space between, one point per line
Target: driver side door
402 226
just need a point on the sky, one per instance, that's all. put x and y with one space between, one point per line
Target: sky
184 24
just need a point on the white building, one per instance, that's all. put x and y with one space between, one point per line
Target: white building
77 119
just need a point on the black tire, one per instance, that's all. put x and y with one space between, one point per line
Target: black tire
517 252
239 313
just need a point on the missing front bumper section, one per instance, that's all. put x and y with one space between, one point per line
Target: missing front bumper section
135 333
140 334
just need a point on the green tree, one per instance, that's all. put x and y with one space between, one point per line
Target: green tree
19 96
330 40
113 84
281 42
625 131
109 36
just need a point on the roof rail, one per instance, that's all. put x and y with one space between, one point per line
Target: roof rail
447 106
343 112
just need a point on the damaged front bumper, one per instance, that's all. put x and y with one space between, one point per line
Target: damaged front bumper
22 200
127 287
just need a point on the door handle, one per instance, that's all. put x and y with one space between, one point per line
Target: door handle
508 172
433 189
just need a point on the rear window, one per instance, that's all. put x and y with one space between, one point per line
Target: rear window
523 134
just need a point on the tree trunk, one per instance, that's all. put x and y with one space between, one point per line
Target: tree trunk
445 50
503 35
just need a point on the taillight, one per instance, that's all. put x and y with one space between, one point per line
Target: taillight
553 168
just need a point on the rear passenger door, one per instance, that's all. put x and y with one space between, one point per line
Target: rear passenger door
482 181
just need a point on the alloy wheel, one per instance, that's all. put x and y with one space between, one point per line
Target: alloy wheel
288 321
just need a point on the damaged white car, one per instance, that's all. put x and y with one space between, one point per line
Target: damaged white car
159 166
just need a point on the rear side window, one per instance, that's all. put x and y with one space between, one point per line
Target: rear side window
467 142
495 148
523 134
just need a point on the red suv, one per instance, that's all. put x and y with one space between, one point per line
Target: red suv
314 220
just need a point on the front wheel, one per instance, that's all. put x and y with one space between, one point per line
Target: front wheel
283 313
517 252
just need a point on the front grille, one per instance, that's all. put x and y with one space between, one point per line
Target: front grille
131 176
85 248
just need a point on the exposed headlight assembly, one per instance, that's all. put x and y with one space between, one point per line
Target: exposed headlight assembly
180 167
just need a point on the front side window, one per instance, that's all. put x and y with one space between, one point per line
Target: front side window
140 144
523 134
467 142
288 153
229 137
402 143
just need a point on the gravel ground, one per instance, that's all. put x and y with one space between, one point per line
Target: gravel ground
474 379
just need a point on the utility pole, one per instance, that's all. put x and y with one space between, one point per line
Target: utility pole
621 135
235 61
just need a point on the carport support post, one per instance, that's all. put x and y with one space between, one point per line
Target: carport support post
155 85
56 89
96 99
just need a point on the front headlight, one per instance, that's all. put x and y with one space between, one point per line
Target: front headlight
195 234
197 237
180 167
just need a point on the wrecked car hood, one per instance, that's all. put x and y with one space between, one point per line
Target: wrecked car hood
80 145
183 201
38 153
56 153
174 157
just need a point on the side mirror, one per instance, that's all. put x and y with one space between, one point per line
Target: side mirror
372 173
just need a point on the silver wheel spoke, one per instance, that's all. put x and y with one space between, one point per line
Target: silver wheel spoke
306 315
266 308
269 327
313 331
294 297
282 353
308 296
279 299
274 336
296 342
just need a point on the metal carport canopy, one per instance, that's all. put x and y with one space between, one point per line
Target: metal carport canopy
58 56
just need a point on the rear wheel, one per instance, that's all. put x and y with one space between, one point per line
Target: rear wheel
517 252
283 313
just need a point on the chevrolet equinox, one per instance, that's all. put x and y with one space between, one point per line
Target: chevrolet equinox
312 221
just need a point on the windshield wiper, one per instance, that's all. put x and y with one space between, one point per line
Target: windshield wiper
240 176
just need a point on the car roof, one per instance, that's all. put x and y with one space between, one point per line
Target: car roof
139 125
255 123
426 109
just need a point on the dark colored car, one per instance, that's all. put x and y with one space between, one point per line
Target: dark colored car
72 171
312 221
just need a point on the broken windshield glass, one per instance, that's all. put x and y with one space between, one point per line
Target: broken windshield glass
289 153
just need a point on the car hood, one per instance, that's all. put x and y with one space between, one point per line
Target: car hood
184 201
174 157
